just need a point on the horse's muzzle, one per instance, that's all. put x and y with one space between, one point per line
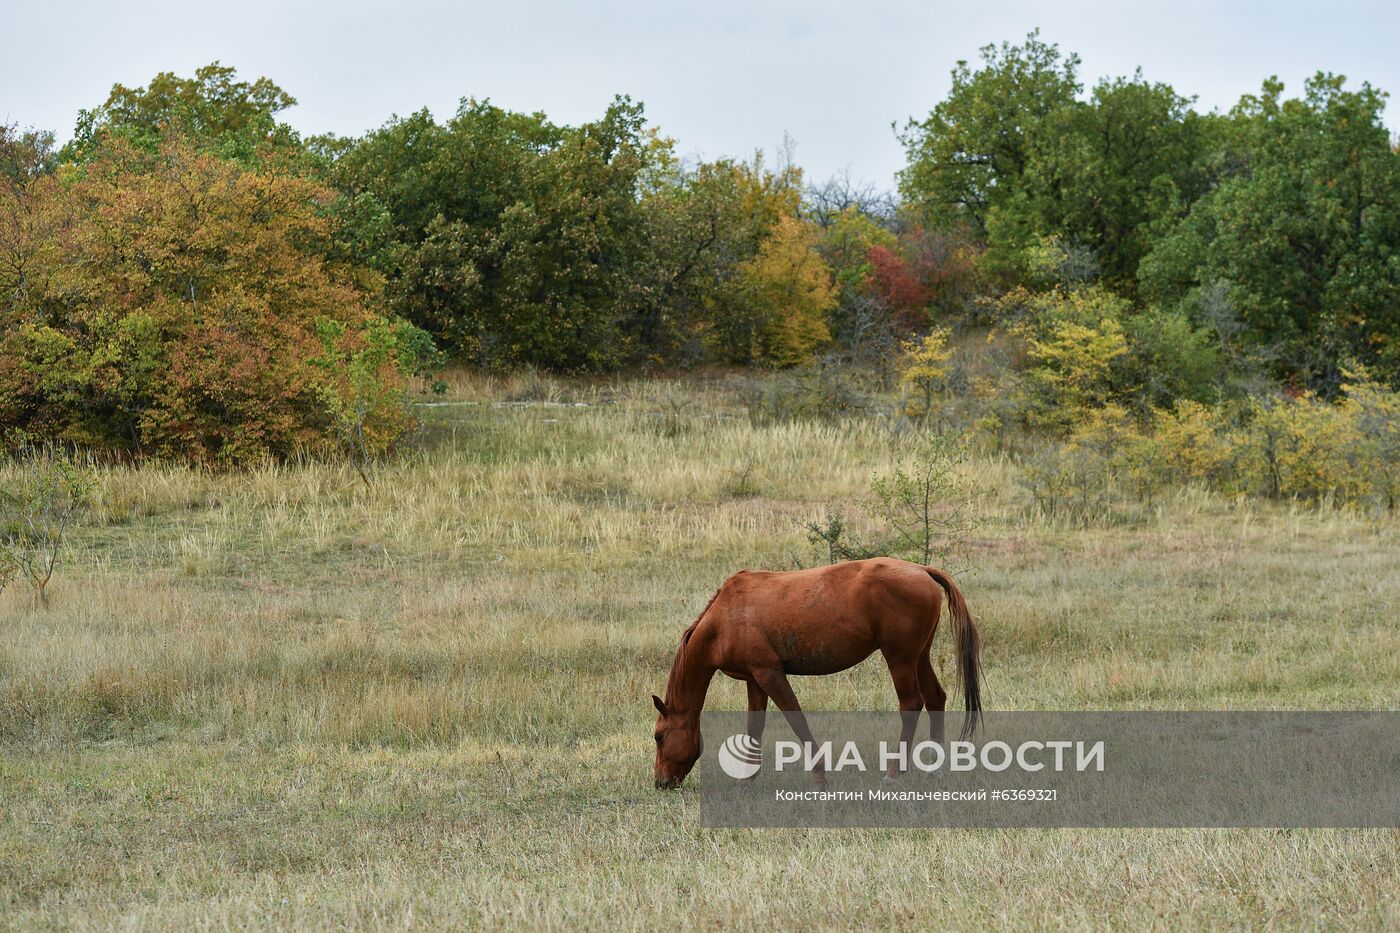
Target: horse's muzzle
668 783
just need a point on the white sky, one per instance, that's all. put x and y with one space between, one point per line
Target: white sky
722 77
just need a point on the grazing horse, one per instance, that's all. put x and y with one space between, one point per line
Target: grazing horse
762 626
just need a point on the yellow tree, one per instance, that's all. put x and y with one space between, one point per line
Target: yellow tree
926 366
789 290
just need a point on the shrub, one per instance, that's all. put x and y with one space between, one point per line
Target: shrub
1168 360
37 507
1300 447
1281 447
363 390
822 391
1192 443
1063 479
831 535
1104 460
928 509
176 308
1376 411
925 370
1073 339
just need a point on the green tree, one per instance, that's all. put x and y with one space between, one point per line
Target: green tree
1169 360
514 241
564 253
969 157
37 507
213 108
1112 169
1304 232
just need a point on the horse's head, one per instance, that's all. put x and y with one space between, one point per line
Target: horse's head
678 745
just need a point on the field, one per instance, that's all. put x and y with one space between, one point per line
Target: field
284 698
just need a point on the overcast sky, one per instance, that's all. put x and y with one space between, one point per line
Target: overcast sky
721 76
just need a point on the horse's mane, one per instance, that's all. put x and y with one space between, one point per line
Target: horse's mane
678 662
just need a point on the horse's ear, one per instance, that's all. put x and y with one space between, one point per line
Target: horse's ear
660 707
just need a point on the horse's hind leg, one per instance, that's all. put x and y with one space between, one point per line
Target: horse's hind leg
935 697
905 673
774 683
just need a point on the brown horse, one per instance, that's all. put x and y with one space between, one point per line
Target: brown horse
762 626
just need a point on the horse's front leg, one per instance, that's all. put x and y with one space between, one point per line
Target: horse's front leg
758 711
758 714
774 682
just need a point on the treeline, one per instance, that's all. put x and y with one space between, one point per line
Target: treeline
190 276
1275 226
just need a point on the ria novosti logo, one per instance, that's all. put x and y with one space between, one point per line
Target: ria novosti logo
741 756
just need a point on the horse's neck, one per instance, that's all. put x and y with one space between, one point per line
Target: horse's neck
690 679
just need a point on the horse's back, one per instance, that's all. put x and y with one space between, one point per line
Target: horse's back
839 582
825 619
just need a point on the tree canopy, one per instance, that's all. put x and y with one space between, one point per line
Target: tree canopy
190 272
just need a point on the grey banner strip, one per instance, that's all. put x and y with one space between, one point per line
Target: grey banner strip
1030 769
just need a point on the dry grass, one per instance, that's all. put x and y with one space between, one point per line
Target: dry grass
278 699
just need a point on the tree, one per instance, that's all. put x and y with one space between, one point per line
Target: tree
846 244
1072 344
927 507
563 254
213 109
25 155
861 322
30 223
926 366
363 391
687 294
698 225
174 309
897 283
1304 232
36 510
970 156
840 195
1112 169
514 241
789 290
1168 359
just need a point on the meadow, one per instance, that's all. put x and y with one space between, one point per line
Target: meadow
285 697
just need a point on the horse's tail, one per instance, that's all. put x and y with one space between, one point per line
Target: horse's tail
968 647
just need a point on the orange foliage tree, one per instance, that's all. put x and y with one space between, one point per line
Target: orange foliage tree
176 304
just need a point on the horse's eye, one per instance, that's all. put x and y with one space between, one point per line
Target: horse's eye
658 738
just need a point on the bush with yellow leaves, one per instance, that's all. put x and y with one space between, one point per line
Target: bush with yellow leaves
925 370
1301 447
1192 443
1072 340
1376 411
1284 447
